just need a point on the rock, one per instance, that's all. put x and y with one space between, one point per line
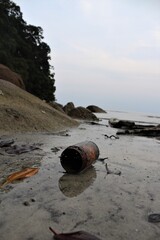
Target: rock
154 218
82 113
26 203
57 106
68 107
8 75
124 124
6 143
21 111
130 128
95 109
147 132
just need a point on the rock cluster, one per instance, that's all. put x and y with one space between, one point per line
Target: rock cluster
69 109
131 128
82 113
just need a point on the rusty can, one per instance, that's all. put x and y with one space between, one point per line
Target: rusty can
79 157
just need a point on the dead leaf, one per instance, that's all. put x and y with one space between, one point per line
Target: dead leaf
79 235
27 172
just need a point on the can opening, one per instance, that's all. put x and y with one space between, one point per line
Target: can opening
71 160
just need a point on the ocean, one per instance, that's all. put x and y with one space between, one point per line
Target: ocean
140 118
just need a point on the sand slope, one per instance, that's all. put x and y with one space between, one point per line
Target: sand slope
20 111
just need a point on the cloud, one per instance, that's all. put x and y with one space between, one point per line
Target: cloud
108 49
156 35
96 12
101 60
87 6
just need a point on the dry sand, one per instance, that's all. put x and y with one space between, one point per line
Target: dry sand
112 207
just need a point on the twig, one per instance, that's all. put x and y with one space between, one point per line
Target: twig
111 136
107 169
51 229
112 172
102 159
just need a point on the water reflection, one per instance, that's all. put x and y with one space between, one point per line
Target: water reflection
71 185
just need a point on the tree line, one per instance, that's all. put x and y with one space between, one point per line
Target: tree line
23 50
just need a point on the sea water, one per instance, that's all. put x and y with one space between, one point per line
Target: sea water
139 118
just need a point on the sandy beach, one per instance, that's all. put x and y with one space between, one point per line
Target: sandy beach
110 206
73 99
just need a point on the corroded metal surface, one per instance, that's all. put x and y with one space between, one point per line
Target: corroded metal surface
80 156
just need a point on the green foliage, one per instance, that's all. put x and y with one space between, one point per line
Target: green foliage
22 49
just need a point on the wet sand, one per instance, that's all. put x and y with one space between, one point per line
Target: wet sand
110 206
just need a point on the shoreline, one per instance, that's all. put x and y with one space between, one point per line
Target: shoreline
109 206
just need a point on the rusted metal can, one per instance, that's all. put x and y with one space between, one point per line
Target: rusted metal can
79 157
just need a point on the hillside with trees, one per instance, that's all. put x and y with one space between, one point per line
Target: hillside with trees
23 50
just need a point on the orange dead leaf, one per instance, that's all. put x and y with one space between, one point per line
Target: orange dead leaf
27 172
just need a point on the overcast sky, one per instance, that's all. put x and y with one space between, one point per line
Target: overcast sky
104 52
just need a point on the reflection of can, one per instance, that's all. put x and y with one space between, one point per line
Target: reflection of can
80 156
71 185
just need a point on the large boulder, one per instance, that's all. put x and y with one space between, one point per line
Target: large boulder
95 109
10 76
57 106
124 124
21 111
147 132
68 107
83 114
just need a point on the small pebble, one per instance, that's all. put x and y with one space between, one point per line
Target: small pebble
33 200
154 218
26 203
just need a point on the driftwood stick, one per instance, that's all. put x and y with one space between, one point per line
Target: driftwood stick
51 229
102 159
111 136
